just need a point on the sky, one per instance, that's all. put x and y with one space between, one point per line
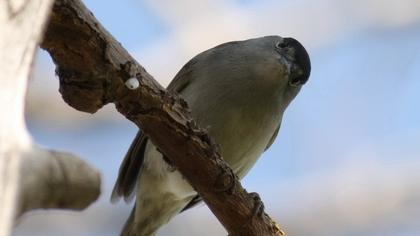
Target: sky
346 161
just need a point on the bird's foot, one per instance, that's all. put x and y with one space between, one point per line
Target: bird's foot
258 209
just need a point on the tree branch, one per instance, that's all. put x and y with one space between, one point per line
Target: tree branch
93 67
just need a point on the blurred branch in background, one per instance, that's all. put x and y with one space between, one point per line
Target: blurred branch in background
31 177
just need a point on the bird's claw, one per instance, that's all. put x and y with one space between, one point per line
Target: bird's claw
258 209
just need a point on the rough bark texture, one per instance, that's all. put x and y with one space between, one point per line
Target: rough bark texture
93 67
31 177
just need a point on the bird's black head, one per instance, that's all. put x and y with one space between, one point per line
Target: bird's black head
301 67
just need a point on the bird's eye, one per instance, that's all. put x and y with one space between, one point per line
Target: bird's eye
281 45
296 82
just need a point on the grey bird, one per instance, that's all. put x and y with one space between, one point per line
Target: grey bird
238 91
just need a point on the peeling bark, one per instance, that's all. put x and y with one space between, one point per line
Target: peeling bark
93 68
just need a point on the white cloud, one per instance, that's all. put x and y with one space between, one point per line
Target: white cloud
198 25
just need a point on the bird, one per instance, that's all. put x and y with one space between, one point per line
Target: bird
238 91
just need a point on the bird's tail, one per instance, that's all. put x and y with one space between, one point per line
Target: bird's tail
158 200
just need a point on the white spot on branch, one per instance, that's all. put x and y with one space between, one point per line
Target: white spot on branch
132 83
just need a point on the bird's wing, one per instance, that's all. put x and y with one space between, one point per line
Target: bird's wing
130 169
183 78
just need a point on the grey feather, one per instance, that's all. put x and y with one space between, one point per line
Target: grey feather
130 169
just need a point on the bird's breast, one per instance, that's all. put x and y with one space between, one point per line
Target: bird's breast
241 125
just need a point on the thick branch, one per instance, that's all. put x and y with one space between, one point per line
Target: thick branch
93 67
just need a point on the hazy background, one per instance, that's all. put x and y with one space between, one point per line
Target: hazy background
346 161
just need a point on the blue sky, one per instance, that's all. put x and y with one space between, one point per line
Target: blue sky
347 157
